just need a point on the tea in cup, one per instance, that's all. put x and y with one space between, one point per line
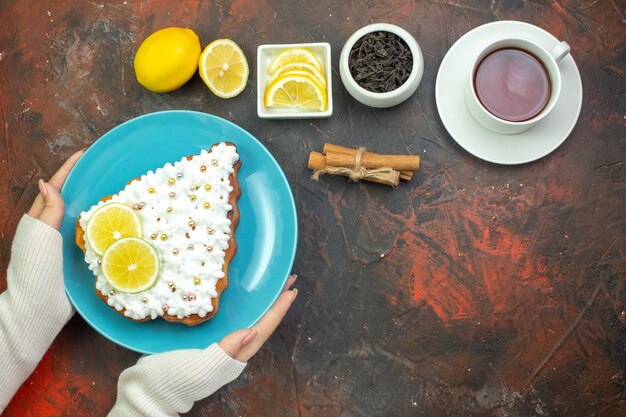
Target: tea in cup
514 83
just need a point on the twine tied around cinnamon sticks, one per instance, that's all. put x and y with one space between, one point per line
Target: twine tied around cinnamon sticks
358 172
360 164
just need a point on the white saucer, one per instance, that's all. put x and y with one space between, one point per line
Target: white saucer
494 147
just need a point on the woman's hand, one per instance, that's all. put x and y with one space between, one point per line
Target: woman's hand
48 205
243 344
166 384
34 307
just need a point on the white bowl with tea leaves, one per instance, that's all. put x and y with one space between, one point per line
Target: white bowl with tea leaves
381 65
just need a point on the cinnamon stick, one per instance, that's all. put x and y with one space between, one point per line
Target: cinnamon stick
369 160
318 161
329 147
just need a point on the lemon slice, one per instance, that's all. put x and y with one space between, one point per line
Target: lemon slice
130 265
296 91
293 56
224 68
109 223
297 68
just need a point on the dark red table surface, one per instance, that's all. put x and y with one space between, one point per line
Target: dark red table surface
473 290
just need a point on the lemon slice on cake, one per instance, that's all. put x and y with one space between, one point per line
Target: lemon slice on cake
224 68
299 90
130 265
111 222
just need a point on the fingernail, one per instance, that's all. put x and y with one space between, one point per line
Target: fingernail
290 281
249 337
84 149
295 293
42 188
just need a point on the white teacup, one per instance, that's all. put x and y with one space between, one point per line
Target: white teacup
549 59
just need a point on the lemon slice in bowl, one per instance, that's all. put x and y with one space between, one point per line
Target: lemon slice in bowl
298 67
293 56
223 68
130 265
296 91
109 223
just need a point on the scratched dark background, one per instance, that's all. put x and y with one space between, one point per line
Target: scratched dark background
474 290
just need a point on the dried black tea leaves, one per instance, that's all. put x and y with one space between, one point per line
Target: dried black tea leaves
380 62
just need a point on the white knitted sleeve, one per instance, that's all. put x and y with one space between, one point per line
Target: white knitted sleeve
166 384
34 308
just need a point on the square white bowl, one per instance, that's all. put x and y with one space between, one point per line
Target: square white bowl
265 55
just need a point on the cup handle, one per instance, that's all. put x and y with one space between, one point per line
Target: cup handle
560 51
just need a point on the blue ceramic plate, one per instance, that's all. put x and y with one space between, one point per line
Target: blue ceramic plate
266 236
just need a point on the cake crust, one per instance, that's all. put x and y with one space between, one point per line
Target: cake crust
229 254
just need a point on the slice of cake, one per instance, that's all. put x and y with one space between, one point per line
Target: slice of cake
162 246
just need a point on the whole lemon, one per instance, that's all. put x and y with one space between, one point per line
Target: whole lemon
167 59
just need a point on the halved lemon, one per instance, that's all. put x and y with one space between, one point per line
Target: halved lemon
295 55
130 265
224 68
296 91
109 223
297 68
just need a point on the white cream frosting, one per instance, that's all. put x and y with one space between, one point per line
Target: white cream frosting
202 180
